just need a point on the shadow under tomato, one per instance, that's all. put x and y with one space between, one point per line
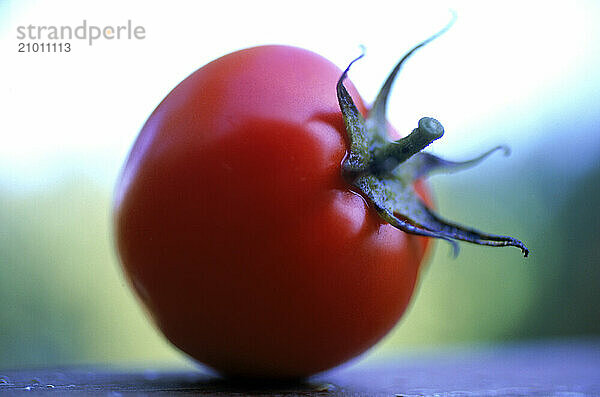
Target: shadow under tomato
93 380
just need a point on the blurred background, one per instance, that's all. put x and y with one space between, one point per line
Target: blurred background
525 74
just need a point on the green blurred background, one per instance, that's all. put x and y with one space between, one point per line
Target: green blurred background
63 299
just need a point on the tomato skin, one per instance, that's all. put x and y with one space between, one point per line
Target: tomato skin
238 232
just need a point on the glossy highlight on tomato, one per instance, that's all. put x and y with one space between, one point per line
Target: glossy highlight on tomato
238 232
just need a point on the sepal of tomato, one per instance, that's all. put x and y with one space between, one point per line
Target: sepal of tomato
385 171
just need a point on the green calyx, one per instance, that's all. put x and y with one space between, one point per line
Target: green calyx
385 171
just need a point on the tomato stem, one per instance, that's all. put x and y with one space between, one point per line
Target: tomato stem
388 157
385 171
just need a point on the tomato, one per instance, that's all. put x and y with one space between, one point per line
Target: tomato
238 232
267 222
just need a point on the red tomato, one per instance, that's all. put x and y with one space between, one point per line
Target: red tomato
237 231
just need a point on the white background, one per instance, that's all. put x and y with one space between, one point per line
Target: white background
524 73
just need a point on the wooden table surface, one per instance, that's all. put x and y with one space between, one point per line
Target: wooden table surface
567 368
